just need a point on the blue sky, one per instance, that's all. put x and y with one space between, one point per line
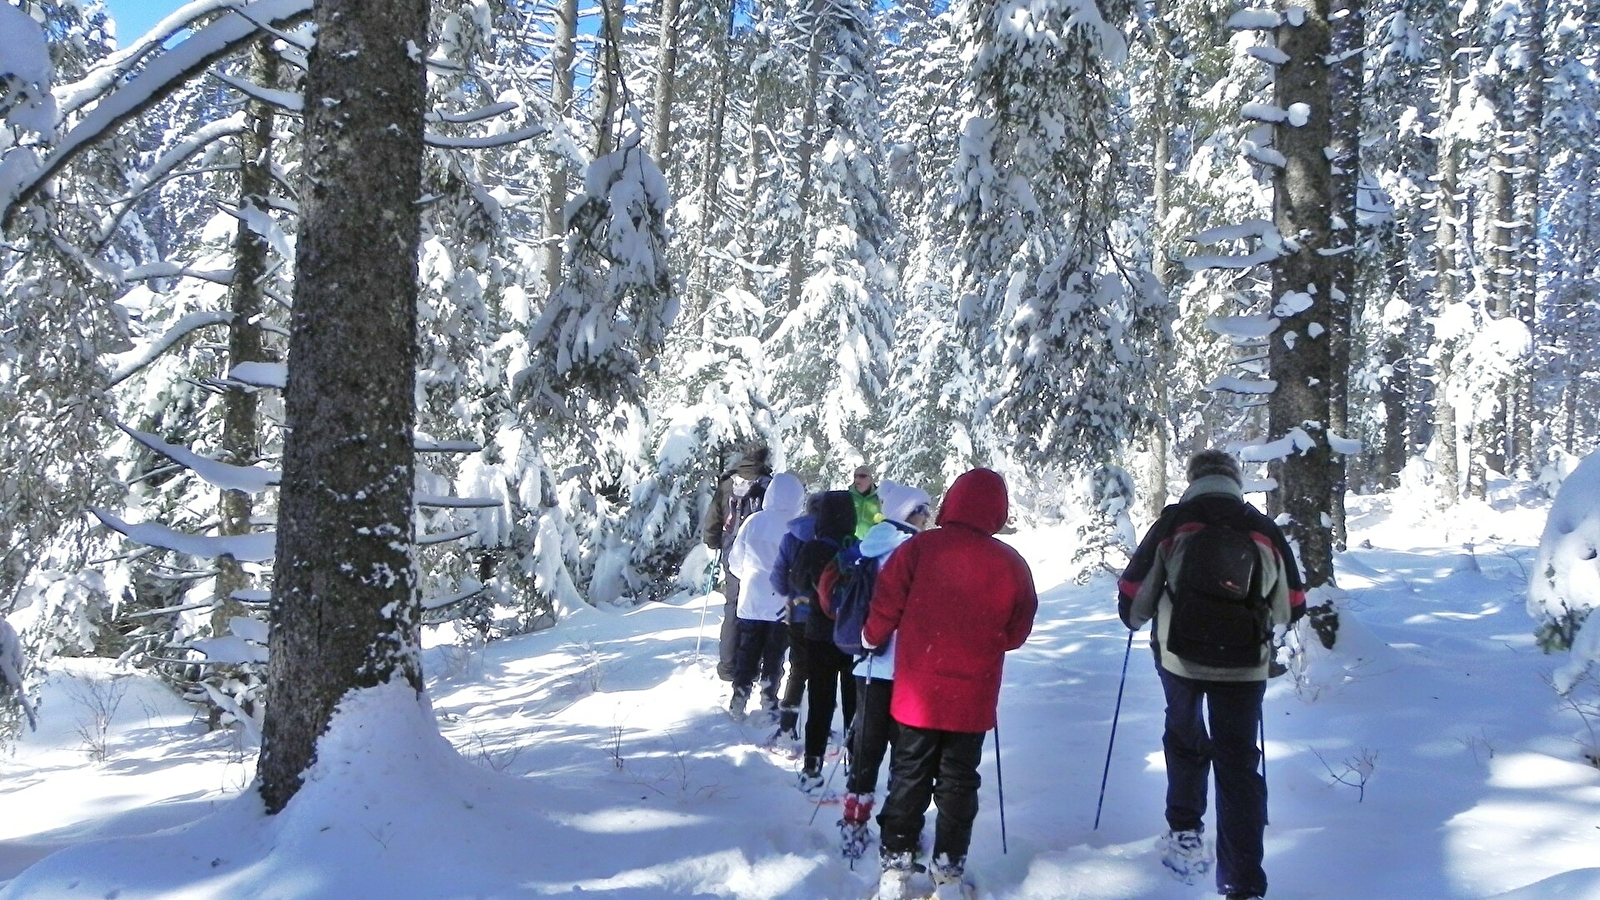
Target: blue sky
134 17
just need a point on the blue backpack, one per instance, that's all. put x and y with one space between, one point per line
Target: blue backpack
852 600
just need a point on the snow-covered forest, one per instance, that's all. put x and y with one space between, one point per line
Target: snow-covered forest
1354 241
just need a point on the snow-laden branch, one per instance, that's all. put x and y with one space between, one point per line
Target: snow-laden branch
132 361
289 101
1253 327
256 547
471 115
1257 257
192 143
249 479
1236 385
1252 228
174 270
22 174
260 374
444 537
1297 441
443 502
1254 20
486 141
429 445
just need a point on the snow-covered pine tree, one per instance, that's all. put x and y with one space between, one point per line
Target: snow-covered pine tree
56 318
1036 281
831 351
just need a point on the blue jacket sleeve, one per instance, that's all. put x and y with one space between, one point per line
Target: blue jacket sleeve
780 569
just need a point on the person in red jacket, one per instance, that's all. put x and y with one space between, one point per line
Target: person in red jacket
958 599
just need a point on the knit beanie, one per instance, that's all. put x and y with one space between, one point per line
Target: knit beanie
1214 462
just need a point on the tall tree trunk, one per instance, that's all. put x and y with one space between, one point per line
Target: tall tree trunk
345 610
1489 435
1446 439
1531 108
241 438
608 76
666 81
800 250
1302 283
752 188
555 201
1347 38
1166 98
711 168
1390 458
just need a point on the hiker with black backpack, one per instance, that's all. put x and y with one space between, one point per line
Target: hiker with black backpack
1217 577
828 682
906 512
739 493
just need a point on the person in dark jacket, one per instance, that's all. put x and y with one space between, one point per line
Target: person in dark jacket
956 600
829 685
797 610
739 493
1223 741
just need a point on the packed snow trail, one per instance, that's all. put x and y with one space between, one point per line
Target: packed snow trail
1425 759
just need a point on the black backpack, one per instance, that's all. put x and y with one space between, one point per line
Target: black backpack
835 527
1221 617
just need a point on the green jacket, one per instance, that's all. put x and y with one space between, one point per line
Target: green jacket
869 511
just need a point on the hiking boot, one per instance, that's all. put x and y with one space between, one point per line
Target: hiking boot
789 723
1243 895
894 879
811 774
1185 855
858 808
950 880
741 698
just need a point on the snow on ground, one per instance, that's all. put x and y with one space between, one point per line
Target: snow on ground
1426 759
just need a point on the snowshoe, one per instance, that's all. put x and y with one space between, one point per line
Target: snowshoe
950 881
894 880
853 831
1185 855
736 706
811 775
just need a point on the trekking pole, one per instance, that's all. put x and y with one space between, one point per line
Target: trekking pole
1266 820
1000 784
715 567
822 795
1113 742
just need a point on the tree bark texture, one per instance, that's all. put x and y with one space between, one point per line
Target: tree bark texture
1447 472
555 201
345 609
800 250
241 427
699 299
1531 112
1347 38
666 82
1168 96
1300 355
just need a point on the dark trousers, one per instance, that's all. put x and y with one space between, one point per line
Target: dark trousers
794 686
941 766
761 646
873 731
1228 749
827 679
728 641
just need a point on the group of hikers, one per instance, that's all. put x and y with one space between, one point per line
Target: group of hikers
901 620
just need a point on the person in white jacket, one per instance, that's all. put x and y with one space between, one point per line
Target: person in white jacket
762 635
11 666
906 511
